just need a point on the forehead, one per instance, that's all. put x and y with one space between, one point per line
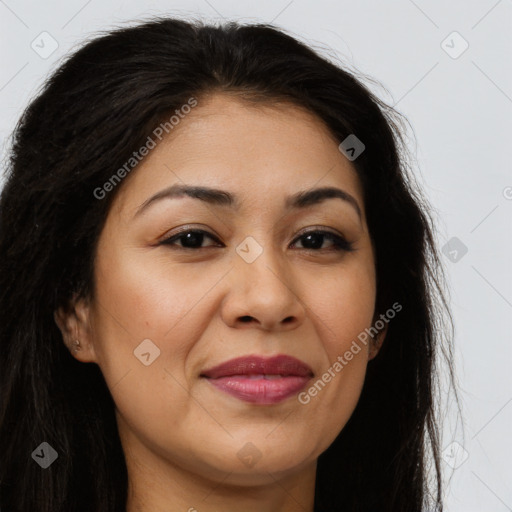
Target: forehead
250 123
259 151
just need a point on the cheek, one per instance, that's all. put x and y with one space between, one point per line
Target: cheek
343 309
345 305
149 297
144 298
140 299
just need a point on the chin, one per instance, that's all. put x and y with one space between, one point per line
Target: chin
257 463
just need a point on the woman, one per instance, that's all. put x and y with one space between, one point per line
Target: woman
171 337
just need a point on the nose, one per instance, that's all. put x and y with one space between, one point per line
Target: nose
263 294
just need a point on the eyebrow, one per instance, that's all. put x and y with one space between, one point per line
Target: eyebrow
218 197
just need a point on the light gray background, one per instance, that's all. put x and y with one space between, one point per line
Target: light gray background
461 112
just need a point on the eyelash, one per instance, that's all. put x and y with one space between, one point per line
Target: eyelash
340 244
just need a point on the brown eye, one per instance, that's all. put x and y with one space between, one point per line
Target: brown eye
190 239
313 240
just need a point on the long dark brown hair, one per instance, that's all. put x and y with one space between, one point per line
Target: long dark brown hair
92 113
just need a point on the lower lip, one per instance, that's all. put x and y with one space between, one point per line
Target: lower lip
260 390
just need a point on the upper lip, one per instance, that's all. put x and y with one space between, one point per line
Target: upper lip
259 365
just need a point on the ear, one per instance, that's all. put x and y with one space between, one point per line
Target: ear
377 342
74 324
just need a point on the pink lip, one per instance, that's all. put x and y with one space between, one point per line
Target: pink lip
247 378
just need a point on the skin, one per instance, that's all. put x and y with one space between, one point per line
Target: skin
180 435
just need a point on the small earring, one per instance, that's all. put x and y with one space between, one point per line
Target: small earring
77 346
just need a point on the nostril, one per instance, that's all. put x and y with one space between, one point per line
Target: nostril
246 318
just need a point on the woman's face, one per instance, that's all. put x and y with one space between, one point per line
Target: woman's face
169 308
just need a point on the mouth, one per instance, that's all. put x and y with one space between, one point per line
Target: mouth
260 380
